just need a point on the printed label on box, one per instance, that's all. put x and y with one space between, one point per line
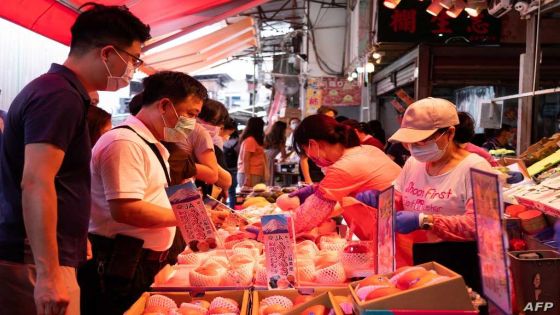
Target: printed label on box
491 237
386 232
194 223
230 217
279 245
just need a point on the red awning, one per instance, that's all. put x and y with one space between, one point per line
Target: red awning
53 19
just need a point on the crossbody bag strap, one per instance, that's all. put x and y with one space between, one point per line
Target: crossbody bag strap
154 149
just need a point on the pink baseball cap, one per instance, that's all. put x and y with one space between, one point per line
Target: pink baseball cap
423 118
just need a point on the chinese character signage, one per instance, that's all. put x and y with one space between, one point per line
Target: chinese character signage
386 232
492 245
279 244
410 22
314 95
193 220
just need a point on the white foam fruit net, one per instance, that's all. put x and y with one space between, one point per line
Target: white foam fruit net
260 275
228 304
190 259
332 274
305 270
197 279
277 299
160 302
240 275
332 243
307 248
356 260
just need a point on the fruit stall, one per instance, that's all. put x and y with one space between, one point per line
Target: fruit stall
251 262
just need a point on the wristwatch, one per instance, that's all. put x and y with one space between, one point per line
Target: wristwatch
426 221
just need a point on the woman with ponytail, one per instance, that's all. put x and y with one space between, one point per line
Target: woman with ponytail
349 169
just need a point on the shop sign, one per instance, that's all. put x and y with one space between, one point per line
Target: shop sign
331 91
410 22
491 237
386 232
279 248
193 220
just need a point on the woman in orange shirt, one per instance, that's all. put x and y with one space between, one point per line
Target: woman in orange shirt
251 164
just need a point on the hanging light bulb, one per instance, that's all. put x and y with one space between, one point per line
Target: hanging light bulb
360 69
391 4
434 8
376 55
350 79
474 7
378 61
456 10
354 75
370 67
446 4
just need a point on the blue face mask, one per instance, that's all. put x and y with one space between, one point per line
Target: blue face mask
182 128
429 152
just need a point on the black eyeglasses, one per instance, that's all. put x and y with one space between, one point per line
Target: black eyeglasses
136 62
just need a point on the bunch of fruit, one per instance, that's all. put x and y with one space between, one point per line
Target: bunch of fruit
162 305
405 278
278 304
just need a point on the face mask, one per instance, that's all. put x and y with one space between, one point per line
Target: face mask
320 161
115 83
430 152
181 130
293 125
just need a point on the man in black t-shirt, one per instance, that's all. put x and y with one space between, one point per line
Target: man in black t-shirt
44 164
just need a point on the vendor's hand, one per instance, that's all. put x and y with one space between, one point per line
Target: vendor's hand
407 221
369 197
303 193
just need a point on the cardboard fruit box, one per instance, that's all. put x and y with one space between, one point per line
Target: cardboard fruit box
241 297
448 295
323 296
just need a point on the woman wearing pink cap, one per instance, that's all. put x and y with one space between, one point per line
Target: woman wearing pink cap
434 192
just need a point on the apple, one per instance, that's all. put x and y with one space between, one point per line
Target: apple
381 292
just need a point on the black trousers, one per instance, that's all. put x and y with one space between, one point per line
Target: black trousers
101 294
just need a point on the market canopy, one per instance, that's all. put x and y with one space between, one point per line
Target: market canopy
168 19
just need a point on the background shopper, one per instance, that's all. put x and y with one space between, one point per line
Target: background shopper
251 166
44 163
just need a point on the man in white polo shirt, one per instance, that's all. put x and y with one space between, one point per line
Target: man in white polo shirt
132 224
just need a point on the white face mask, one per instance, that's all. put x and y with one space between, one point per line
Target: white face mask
293 125
429 152
115 83
182 129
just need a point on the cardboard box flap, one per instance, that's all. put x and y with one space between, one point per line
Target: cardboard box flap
241 297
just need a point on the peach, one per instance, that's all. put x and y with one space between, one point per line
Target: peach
315 310
381 292
406 276
287 203
327 227
272 309
300 299
220 310
201 303
375 280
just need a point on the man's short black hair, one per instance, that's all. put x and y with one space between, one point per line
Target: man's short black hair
106 25
176 86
